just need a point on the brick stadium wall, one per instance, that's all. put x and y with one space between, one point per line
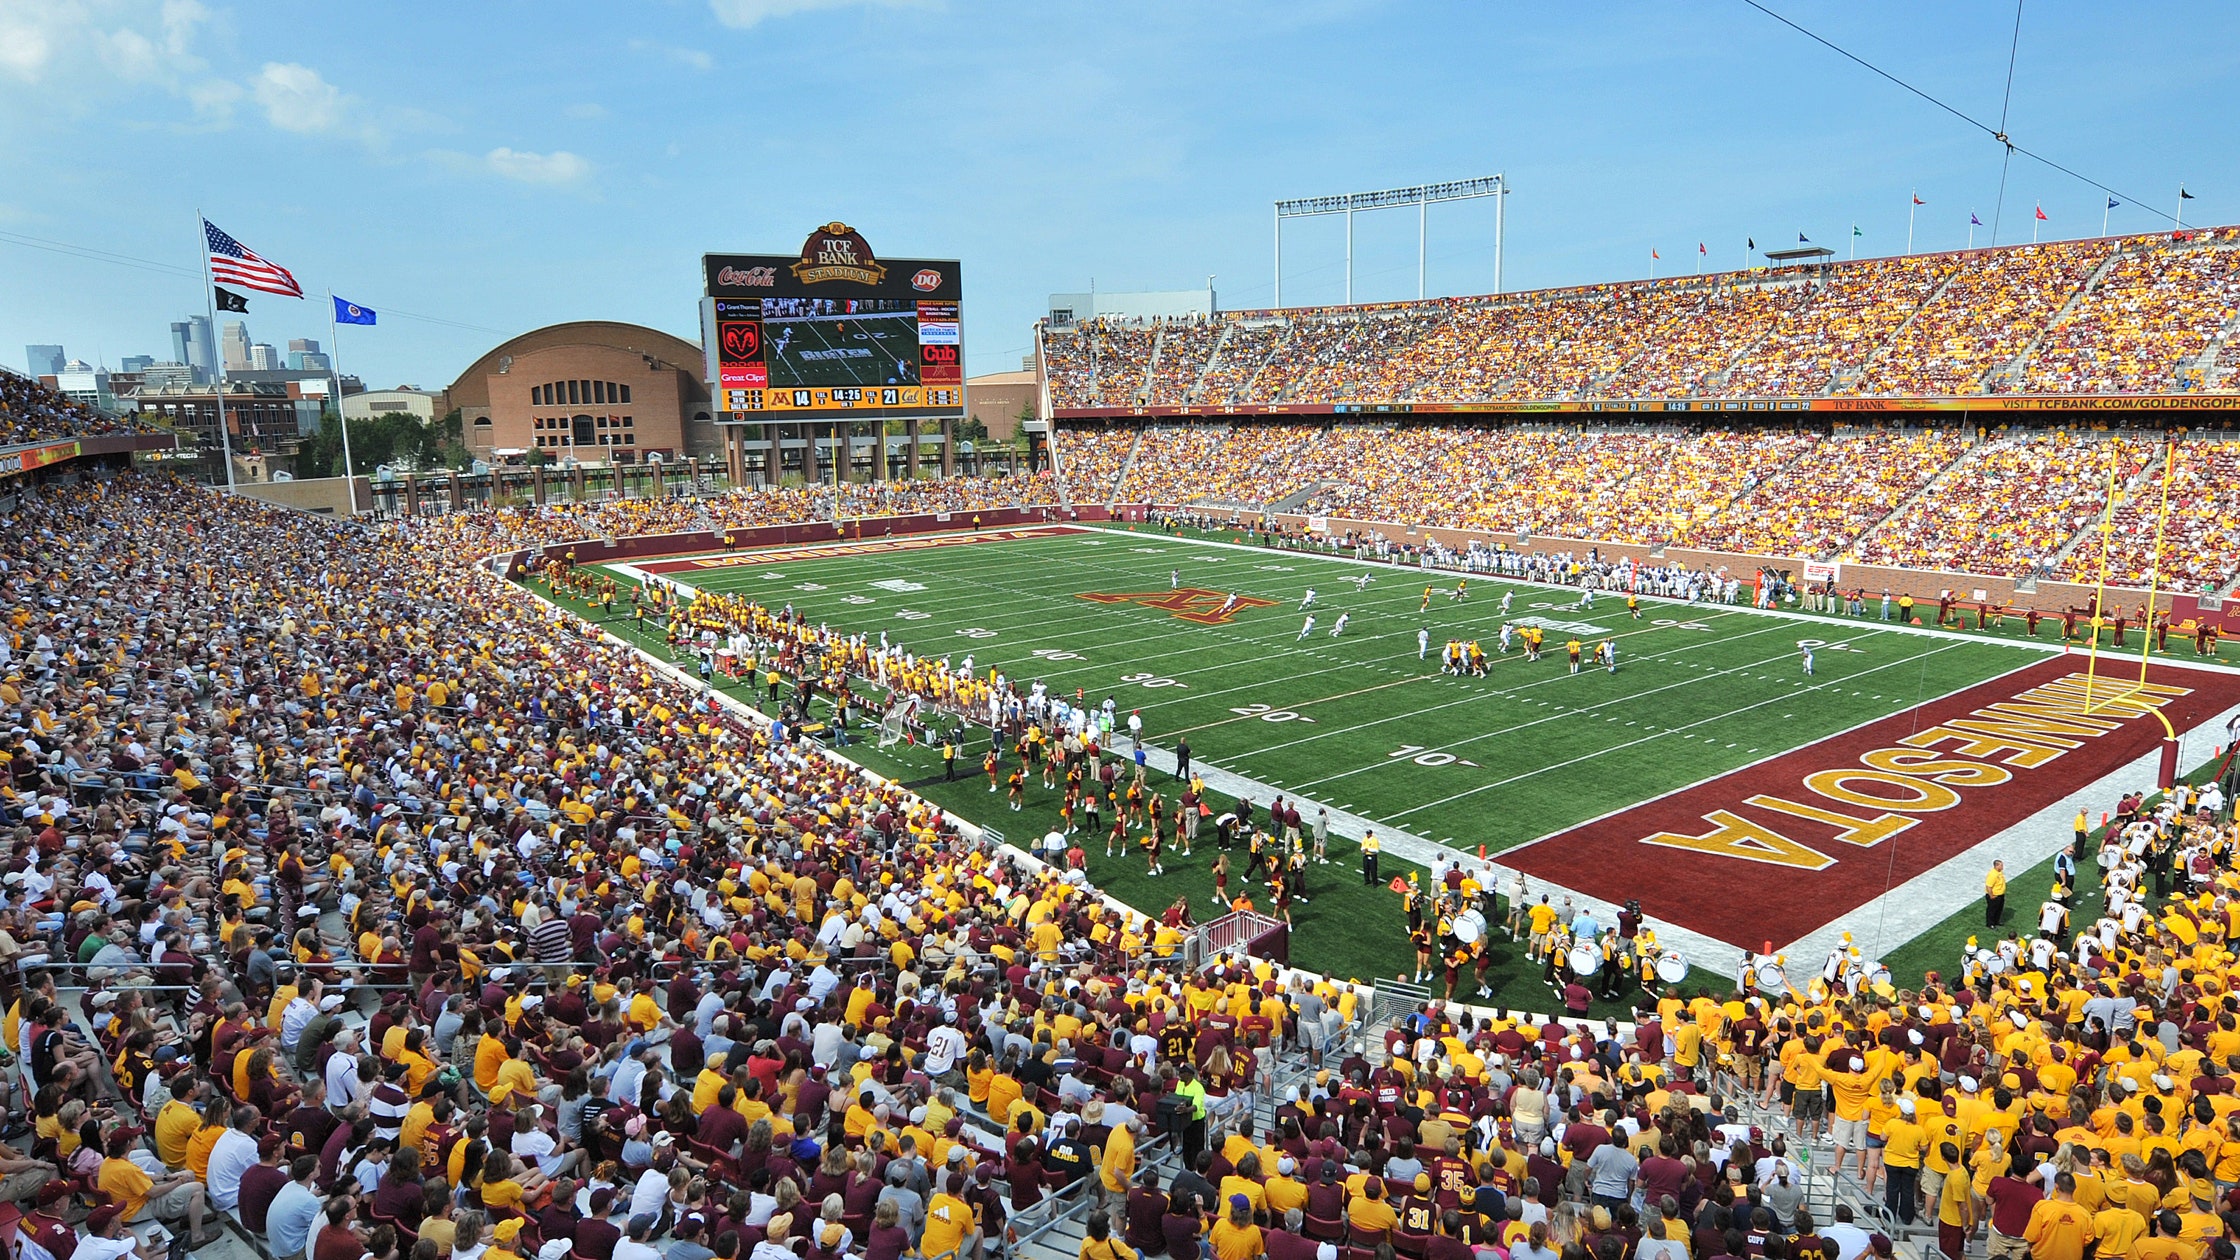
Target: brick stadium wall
646 546
1925 585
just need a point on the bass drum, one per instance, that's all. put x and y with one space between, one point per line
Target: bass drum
1585 960
1671 967
1467 931
1770 977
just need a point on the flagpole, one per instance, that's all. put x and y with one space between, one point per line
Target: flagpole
334 365
2104 208
210 303
2178 211
2038 215
1914 206
1971 229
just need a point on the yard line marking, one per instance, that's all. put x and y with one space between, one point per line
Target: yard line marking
1647 738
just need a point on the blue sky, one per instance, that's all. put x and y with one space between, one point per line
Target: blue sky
507 165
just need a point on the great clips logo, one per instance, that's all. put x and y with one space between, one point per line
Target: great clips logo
749 277
926 281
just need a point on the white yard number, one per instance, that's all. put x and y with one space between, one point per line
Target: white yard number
1267 714
1056 654
1273 568
1153 680
977 632
1822 645
1150 551
857 599
1416 753
1681 625
808 586
908 614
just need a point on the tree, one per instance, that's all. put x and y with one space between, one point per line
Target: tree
393 437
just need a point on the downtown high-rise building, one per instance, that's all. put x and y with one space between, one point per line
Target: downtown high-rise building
192 345
43 360
233 344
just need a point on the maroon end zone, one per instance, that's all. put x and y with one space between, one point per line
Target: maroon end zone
1775 851
849 547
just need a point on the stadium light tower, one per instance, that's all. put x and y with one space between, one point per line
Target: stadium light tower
1420 196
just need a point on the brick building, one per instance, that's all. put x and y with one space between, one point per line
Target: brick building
593 392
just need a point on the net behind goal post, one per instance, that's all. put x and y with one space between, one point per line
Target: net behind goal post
895 723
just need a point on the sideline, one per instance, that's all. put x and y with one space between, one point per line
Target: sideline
1615 1028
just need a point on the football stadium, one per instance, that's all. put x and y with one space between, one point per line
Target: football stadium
1727 765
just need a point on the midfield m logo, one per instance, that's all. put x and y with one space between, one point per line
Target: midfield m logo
1187 603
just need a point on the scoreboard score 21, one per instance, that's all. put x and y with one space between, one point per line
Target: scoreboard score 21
834 330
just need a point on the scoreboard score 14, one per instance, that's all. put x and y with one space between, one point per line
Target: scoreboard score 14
835 330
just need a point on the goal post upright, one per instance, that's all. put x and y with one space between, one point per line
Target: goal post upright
2167 775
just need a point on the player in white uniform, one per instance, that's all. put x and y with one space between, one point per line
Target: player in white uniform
1308 602
1174 578
1340 627
1586 598
1230 602
1362 583
1506 631
1609 654
1807 649
1306 629
1423 642
1506 596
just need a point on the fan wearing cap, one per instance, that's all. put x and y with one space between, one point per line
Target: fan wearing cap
105 1237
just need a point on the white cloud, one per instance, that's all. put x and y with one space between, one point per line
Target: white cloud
556 167
744 14
698 59
297 98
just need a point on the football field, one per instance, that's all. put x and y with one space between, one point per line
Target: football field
1612 784
872 349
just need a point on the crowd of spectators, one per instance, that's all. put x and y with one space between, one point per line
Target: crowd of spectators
1184 348
32 412
1932 324
414 920
2152 312
2008 506
1990 309
2199 533
1832 493
1936 498
752 506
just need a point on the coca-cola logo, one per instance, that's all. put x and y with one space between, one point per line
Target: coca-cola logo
740 341
926 281
750 278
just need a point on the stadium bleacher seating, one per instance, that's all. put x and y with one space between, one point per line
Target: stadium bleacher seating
424 913
2061 317
1932 499
31 412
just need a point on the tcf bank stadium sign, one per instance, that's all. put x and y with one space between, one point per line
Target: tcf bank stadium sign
1535 406
837 262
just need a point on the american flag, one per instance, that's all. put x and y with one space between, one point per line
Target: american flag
235 263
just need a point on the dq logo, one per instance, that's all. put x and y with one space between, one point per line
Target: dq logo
1188 603
741 341
926 281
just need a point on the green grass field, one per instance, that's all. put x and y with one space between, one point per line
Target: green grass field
1358 720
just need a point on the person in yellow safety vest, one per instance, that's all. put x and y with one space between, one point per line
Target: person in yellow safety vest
1369 849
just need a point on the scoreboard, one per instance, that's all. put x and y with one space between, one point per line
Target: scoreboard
834 331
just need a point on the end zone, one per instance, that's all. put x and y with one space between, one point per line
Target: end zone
1772 852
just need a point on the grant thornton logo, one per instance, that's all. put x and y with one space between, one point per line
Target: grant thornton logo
837 252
